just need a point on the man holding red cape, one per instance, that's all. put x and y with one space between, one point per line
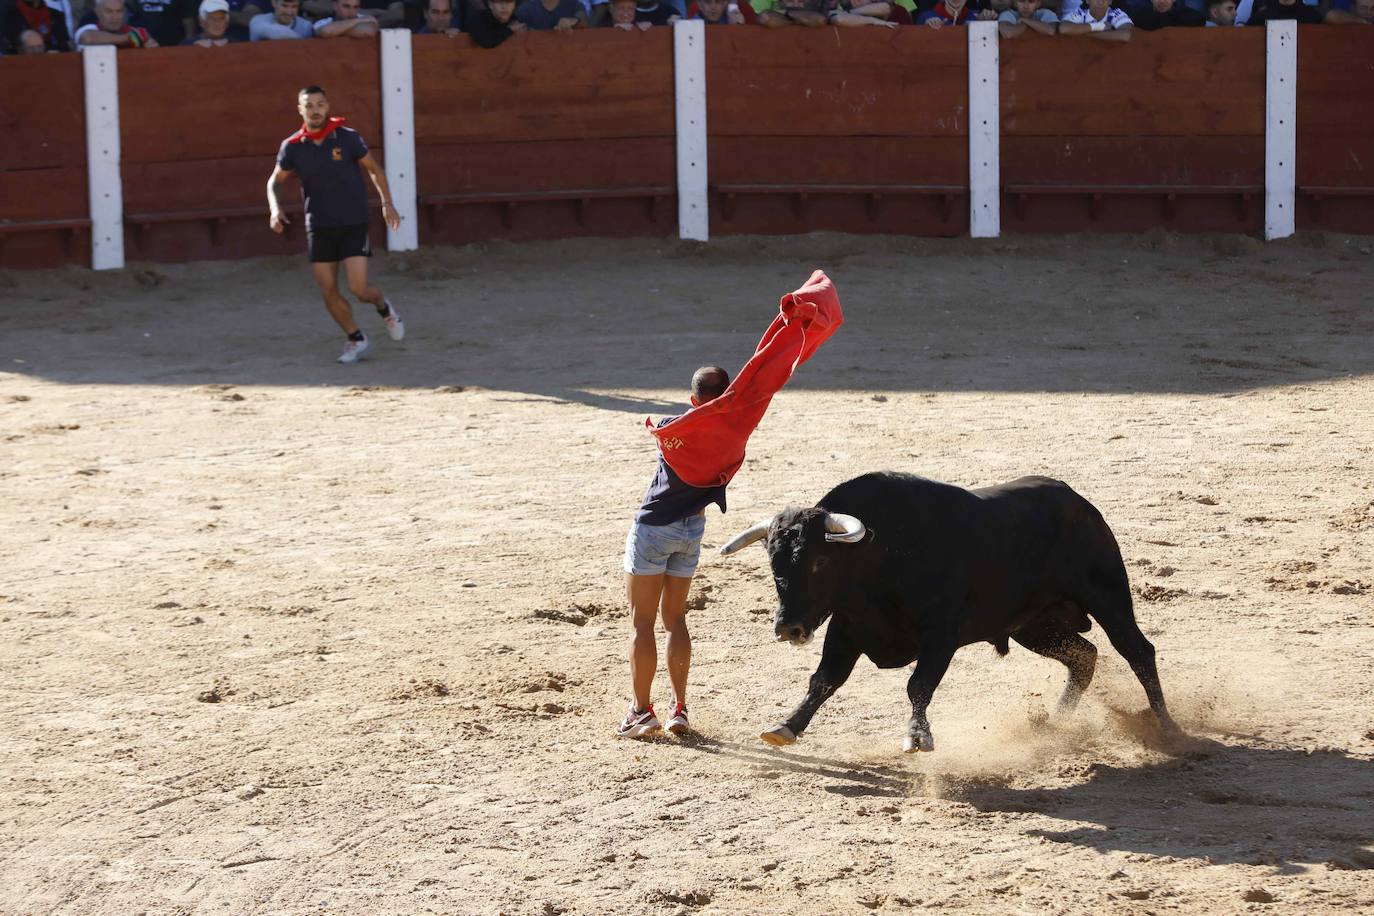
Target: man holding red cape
699 453
325 155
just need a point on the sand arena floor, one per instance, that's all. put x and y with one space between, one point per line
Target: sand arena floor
283 636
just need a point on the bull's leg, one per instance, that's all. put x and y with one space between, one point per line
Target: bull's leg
1076 653
930 668
1118 622
837 663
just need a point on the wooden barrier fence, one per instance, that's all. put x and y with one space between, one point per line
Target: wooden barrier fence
558 135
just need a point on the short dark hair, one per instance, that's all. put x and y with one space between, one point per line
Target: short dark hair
709 383
311 90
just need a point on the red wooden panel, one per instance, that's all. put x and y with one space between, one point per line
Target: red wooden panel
545 166
1334 161
43 194
1174 82
158 187
1132 214
206 240
784 215
1335 71
837 82
839 160
42 112
181 103
1115 160
544 86
461 225
53 248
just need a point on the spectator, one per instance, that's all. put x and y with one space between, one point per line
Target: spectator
35 16
623 16
168 21
1157 14
493 25
862 12
214 25
241 15
1221 13
1099 19
652 12
389 14
110 28
30 42
775 14
715 12
439 19
1352 12
281 23
1302 13
544 15
1028 16
953 12
348 21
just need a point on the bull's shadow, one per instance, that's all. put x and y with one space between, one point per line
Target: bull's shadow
1238 804
852 779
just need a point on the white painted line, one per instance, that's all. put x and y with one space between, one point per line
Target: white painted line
104 185
689 78
984 132
1280 129
398 137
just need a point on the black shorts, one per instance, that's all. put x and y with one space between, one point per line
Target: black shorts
328 244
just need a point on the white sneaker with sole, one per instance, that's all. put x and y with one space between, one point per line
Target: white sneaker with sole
638 723
353 350
395 327
677 722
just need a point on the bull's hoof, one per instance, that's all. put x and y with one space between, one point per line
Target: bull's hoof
920 741
779 736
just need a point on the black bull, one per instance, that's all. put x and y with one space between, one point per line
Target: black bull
911 570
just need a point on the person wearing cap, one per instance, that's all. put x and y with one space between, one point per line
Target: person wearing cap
214 25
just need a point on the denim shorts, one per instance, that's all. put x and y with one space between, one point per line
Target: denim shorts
674 549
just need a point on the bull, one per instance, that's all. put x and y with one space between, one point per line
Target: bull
909 569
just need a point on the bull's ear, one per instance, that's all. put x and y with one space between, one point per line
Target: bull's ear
843 529
755 532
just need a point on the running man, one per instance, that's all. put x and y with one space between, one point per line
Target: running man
325 155
661 553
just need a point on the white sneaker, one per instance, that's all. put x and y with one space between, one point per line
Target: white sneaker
395 327
677 722
638 723
353 350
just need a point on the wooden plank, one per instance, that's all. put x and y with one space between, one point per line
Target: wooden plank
1335 67
1133 160
43 194
41 116
1335 161
839 160
177 104
1174 82
604 83
544 166
168 187
837 82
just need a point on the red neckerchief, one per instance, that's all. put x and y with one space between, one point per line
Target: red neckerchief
305 133
40 20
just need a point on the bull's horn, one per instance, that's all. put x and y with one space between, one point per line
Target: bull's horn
843 529
755 532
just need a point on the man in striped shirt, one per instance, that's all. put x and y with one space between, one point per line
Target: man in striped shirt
1099 19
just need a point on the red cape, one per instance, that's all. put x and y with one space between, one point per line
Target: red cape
705 446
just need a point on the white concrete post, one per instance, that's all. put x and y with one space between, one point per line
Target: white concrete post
398 138
1280 129
689 78
104 186
984 132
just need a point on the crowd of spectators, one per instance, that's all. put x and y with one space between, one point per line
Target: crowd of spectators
45 26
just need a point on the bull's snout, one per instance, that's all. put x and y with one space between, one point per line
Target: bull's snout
795 633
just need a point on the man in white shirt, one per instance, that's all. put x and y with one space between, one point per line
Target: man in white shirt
281 23
1099 19
347 22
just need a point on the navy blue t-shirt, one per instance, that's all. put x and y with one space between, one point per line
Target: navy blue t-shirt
331 181
669 500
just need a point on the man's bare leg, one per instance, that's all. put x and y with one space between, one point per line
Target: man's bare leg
326 276
673 608
355 271
644 592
